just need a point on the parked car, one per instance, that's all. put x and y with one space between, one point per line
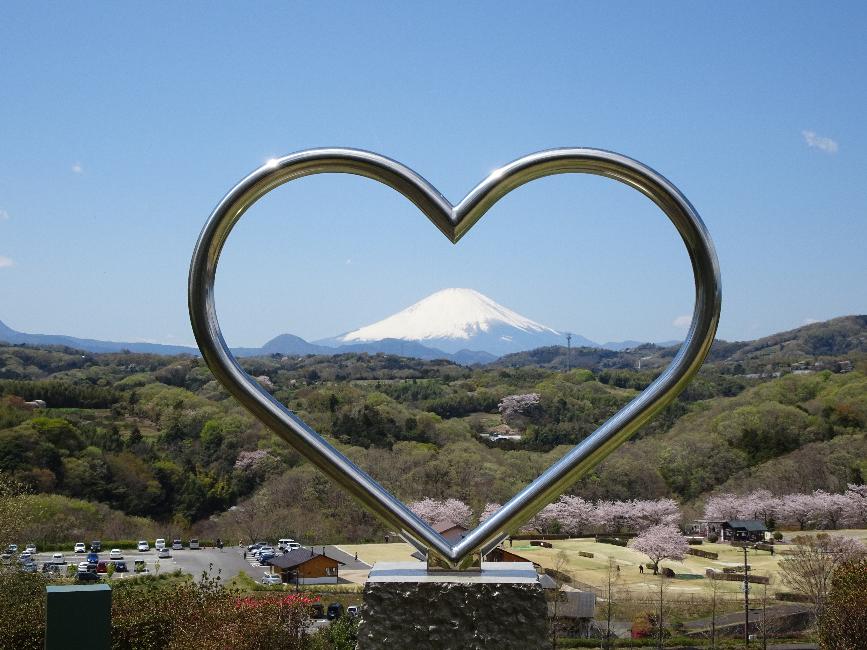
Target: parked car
58 558
29 567
253 547
79 548
272 579
283 543
194 544
50 567
86 576
91 566
335 610
82 567
30 548
177 545
120 567
102 567
160 544
352 611
143 546
92 557
164 553
12 549
96 546
24 558
6 558
115 554
317 611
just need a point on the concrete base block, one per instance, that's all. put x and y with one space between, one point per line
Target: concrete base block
501 606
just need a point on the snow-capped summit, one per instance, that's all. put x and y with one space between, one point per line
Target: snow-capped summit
459 319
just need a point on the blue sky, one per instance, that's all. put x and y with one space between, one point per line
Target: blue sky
122 126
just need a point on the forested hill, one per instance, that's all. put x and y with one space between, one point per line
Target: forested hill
156 436
843 338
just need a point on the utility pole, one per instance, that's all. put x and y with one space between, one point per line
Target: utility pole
746 600
568 351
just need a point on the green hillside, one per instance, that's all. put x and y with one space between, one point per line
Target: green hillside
155 437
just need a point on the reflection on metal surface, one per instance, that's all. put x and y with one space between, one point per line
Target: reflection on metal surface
454 221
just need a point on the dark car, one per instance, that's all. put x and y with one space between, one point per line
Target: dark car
96 546
335 610
317 611
93 557
91 566
86 576
120 567
102 567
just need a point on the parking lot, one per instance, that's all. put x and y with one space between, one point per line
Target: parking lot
226 563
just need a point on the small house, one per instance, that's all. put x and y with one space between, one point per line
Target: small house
450 530
306 567
744 530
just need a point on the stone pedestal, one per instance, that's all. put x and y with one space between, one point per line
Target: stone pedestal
501 606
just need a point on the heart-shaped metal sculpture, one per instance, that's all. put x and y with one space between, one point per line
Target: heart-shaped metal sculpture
454 221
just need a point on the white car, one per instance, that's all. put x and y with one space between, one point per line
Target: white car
79 548
115 554
177 545
143 545
58 558
272 579
82 566
292 546
164 553
31 548
160 544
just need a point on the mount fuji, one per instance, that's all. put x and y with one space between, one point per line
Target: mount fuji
456 320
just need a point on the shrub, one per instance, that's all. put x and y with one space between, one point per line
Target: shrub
612 540
843 620
585 554
22 601
695 541
778 535
713 538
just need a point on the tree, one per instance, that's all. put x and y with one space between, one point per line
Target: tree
660 543
434 511
843 624
574 514
16 509
489 510
810 566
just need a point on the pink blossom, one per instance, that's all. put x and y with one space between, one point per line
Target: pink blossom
434 511
660 543
489 510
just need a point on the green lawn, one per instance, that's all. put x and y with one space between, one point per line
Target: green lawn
593 571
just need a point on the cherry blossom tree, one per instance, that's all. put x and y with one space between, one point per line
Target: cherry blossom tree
547 519
857 510
512 406
798 509
488 511
722 507
759 504
661 512
613 516
660 543
830 509
574 514
434 511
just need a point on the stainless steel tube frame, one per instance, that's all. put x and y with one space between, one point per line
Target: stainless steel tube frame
454 221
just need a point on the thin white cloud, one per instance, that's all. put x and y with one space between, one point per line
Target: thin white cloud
77 168
682 321
821 142
6 262
349 261
4 216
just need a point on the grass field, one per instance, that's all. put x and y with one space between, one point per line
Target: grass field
593 571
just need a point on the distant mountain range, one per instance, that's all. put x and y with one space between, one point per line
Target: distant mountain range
460 325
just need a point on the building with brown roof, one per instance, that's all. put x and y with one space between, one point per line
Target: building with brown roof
306 567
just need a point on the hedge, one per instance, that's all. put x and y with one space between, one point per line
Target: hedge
710 555
736 577
585 554
612 540
792 597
